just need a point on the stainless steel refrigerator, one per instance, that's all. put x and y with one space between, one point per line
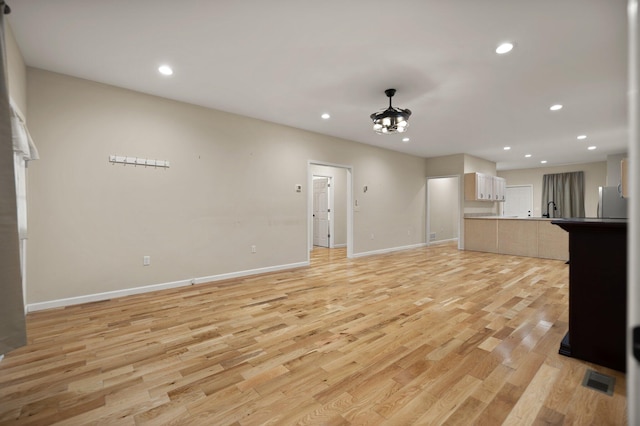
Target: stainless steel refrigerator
611 204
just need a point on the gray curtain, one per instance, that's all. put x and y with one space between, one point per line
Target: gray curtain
566 191
12 319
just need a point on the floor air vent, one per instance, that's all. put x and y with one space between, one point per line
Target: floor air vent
600 382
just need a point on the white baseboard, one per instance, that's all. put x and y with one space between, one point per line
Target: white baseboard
450 240
389 250
339 245
59 303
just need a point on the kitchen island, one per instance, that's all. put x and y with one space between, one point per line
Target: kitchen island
597 291
532 236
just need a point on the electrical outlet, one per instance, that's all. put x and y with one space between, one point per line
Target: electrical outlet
372 236
253 249
146 260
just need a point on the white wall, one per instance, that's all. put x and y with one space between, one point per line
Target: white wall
231 185
595 175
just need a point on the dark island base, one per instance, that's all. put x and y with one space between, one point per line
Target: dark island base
597 291
565 347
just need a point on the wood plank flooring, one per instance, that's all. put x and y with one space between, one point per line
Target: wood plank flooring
426 336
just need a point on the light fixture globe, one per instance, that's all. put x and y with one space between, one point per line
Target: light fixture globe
390 120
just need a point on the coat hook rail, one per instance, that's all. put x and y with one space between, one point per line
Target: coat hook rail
135 161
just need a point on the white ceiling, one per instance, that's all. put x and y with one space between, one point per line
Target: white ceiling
289 61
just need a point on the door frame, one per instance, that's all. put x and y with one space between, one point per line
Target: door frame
330 203
633 269
349 170
460 209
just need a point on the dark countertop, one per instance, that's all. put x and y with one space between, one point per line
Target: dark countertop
591 222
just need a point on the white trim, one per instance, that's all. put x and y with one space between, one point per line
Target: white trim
32 307
349 170
389 250
339 246
435 243
633 231
19 112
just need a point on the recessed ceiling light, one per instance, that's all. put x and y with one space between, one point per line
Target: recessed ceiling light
591 148
405 139
165 70
504 48
555 107
507 148
527 156
325 116
543 161
581 137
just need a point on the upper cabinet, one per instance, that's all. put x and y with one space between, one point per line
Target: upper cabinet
483 187
624 177
499 188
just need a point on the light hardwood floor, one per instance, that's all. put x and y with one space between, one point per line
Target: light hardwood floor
425 336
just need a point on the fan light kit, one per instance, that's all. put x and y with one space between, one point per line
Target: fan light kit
390 120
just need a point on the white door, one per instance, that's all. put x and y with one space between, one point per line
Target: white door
321 187
518 201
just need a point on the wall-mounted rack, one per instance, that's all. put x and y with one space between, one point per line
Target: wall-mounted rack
135 161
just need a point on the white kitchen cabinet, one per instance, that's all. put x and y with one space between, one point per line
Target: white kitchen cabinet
483 187
478 186
499 188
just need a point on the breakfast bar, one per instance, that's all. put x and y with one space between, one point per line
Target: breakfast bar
531 236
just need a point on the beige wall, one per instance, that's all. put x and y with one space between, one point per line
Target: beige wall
448 165
339 188
16 71
480 165
595 175
444 208
614 169
231 185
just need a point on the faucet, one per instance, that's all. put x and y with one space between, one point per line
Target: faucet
554 208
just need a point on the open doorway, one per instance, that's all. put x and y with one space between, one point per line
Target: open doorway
443 210
330 208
